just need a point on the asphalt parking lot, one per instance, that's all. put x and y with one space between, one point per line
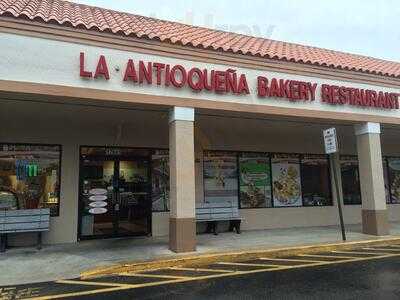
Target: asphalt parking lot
365 272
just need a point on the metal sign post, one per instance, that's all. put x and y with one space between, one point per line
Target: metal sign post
331 148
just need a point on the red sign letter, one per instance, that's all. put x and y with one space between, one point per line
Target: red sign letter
102 69
82 72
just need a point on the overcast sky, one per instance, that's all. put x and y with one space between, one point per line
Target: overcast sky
368 27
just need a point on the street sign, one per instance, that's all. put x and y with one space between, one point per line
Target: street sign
332 148
330 139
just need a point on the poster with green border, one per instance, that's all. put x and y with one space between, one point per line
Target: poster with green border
255 181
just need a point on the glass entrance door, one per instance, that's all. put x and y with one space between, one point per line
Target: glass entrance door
114 197
133 197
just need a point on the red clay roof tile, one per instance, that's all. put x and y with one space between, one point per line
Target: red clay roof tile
95 18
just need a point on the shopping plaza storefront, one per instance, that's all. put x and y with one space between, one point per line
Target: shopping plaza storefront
125 134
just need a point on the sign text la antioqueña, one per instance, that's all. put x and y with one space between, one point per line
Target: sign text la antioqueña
230 82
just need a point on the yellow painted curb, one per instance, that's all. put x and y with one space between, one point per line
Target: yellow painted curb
199 259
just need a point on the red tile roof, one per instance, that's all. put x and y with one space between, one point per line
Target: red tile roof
105 20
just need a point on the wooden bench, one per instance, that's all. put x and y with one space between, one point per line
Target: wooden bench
213 212
23 220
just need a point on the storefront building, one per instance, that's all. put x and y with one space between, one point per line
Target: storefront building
122 124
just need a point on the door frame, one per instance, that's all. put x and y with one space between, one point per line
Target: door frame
115 158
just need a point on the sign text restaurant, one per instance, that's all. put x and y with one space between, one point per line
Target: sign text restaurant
229 81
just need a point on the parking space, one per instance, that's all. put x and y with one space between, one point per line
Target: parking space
180 274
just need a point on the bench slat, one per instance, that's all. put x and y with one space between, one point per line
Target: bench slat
26 226
27 212
25 230
21 226
21 219
203 210
45 218
24 220
222 210
203 217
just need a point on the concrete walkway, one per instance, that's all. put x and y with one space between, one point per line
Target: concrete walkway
27 265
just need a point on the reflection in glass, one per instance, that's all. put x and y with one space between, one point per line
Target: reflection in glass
29 177
160 180
350 180
315 180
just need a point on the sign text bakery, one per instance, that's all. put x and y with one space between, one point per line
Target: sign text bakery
230 82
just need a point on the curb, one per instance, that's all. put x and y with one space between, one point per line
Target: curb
229 256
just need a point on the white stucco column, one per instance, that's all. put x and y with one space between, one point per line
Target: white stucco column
374 213
182 221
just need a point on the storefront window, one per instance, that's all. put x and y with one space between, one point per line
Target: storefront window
30 177
220 176
255 180
286 180
394 179
160 180
350 180
315 180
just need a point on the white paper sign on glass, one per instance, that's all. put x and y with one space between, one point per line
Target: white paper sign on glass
98 204
330 140
97 210
98 191
98 198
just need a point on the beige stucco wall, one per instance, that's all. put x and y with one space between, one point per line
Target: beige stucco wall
160 223
63 69
75 125
182 182
269 218
371 171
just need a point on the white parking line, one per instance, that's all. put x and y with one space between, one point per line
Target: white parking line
383 250
247 264
367 254
292 259
327 256
201 270
157 276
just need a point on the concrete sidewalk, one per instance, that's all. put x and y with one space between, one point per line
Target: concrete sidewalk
27 265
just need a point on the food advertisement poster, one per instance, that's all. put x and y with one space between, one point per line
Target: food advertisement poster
286 180
255 181
220 177
394 174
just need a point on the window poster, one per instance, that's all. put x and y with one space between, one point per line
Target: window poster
220 177
286 180
160 180
30 177
350 180
315 180
394 175
255 181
